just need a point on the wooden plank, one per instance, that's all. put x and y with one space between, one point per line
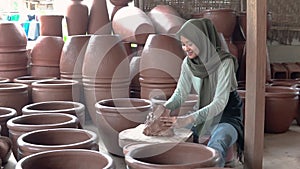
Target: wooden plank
255 83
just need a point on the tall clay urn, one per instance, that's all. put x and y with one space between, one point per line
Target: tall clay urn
51 25
99 22
116 115
105 70
77 17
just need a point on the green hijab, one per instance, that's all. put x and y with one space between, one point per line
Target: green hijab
204 35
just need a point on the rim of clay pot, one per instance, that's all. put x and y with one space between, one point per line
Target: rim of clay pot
108 104
161 148
51 15
18 123
7 112
30 146
64 106
31 79
54 83
34 158
4 80
192 98
219 10
12 86
281 91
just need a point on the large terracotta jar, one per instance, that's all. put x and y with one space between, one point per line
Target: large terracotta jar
116 115
51 25
28 80
71 158
22 124
160 65
105 70
12 37
55 89
69 107
172 155
77 17
6 113
224 20
99 22
14 95
132 24
55 139
165 19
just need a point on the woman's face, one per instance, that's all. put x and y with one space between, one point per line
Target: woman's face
189 47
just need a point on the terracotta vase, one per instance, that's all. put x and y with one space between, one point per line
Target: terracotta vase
55 90
51 25
99 22
165 19
160 64
28 80
6 113
22 124
74 108
105 70
77 17
5 149
116 115
12 37
54 139
67 159
132 24
14 95
172 155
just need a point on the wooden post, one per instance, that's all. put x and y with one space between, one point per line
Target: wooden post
255 83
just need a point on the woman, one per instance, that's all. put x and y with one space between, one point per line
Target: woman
211 71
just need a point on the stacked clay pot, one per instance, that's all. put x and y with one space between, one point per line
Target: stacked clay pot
165 19
105 71
14 95
69 107
13 52
160 65
28 80
51 25
172 155
45 56
54 139
132 24
116 115
99 22
71 158
77 17
26 123
6 113
55 89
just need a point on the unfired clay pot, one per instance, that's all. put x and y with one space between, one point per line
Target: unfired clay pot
51 25
6 113
116 115
55 89
77 17
26 123
67 159
133 24
14 95
54 139
69 107
172 156
99 22
12 37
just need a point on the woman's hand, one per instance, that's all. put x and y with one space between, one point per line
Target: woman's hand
177 121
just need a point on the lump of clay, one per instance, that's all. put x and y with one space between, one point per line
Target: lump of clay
154 127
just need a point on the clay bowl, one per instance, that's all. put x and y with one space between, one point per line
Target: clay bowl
6 113
67 159
12 37
69 107
26 123
171 156
54 139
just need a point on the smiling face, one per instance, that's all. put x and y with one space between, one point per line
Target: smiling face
189 47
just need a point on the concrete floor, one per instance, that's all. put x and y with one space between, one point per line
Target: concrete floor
281 151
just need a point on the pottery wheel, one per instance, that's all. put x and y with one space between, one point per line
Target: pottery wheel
135 135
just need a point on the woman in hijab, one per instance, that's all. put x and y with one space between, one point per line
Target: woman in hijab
211 71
